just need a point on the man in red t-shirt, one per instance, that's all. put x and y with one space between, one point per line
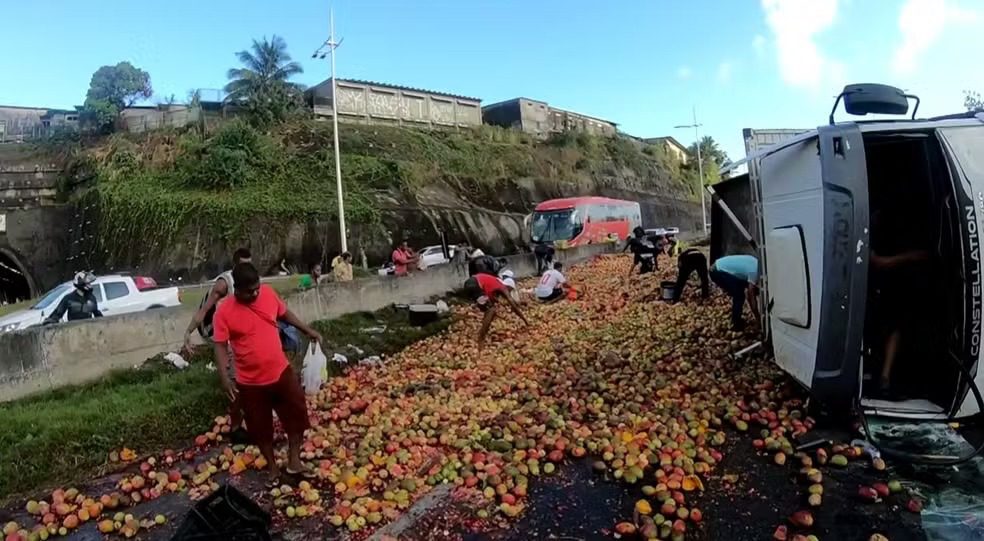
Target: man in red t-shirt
488 290
403 259
265 380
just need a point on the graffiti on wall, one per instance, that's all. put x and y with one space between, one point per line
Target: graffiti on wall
351 101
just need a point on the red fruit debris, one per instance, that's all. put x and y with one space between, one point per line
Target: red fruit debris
781 534
881 489
802 519
914 505
867 494
625 528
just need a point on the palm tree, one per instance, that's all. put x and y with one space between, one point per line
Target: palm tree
266 70
710 151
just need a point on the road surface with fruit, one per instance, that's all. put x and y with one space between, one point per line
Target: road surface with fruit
615 415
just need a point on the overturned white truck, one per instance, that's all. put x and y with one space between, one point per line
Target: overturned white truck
806 207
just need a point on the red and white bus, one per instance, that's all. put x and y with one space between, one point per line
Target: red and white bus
576 221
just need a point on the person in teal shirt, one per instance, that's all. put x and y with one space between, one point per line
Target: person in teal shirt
738 276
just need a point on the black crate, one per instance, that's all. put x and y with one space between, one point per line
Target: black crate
227 515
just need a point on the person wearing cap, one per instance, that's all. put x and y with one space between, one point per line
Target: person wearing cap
488 291
80 303
508 278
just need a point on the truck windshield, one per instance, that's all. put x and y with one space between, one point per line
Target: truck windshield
51 297
554 225
967 144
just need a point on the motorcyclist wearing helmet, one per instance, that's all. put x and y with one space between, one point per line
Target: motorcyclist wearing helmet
644 251
80 303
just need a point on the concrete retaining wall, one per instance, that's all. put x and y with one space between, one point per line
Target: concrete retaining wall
45 358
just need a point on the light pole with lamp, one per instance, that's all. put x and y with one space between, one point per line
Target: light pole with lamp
700 168
328 48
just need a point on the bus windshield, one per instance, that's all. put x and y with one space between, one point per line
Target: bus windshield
555 225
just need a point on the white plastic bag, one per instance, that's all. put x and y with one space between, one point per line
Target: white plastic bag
176 360
315 368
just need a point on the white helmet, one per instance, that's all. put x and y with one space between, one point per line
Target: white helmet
477 253
84 280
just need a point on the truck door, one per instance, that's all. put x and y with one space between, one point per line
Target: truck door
844 266
792 230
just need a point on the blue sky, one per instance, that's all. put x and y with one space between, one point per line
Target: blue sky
641 63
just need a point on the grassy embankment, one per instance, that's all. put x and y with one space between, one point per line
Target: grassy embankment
65 436
239 184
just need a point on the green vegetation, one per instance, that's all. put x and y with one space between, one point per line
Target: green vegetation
973 101
65 436
712 156
111 90
262 87
62 435
169 185
350 330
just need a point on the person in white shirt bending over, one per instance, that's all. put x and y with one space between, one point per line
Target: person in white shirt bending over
552 284
508 278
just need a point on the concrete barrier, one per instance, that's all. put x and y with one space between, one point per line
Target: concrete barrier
44 358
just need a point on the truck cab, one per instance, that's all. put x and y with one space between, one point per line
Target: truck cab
868 236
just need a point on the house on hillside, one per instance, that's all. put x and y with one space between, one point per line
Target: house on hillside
673 147
25 123
57 119
141 118
540 119
370 102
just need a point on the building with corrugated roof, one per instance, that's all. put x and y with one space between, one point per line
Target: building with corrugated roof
540 119
371 102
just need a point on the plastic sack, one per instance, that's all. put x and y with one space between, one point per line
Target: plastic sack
177 360
315 368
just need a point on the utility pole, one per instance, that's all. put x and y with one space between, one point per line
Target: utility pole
700 168
328 48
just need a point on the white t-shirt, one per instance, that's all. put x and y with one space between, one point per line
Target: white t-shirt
551 280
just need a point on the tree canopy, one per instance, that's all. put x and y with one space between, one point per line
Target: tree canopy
973 101
262 85
710 152
112 89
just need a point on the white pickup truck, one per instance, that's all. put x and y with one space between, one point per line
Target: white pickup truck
116 294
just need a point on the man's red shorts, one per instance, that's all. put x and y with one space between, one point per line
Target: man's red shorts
285 396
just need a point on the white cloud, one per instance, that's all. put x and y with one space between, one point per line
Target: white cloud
795 25
921 23
724 72
759 43
684 72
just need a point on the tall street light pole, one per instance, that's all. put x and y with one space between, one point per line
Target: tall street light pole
328 48
700 168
